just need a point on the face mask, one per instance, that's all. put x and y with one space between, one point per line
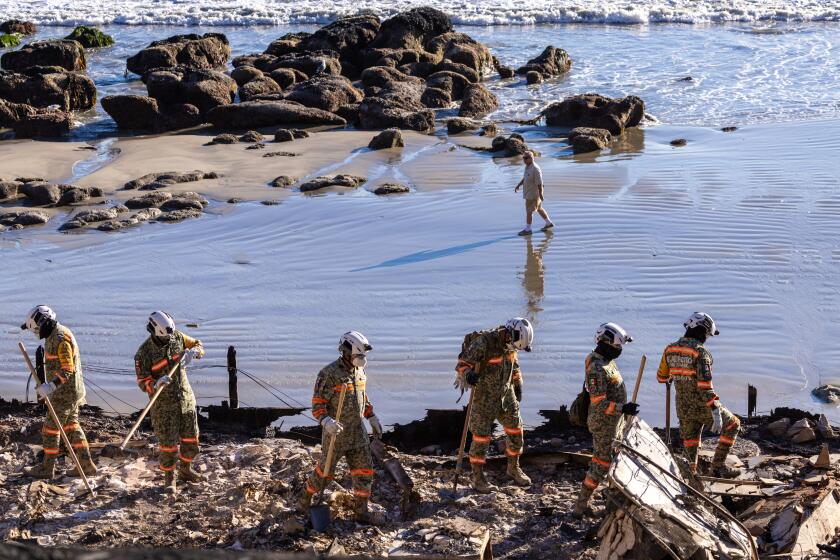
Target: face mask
359 361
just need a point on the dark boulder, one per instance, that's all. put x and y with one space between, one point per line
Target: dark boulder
459 125
42 193
348 36
225 138
86 217
17 26
257 114
288 43
244 74
205 89
260 86
412 29
289 134
435 98
551 62
349 113
460 48
346 181
210 51
44 87
251 137
75 195
282 182
90 37
583 139
478 101
457 68
149 200
47 124
451 82
325 92
398 57
489 129
380 113
311 64
179 215
391 138
391 188
132 112
62 53
513 145
23 218
169 178
185 201
178 116
596 111
379 76
9 190
286 77
533 77
138 217
11 113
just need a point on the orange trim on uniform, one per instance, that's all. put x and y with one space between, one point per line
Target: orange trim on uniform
168 448
317 413
604 464
310 490
463 366
50 431
691 442
184 459
494 361
589 483
726 440
338 388
711 401
734 424
610 409
511 453
683 372
595 399
320 473
683 350
513 431
662 379
167 469
319 400
189 440
361 493
60 377
80 445
160 365
51 451
51 357
361 472
704 385
71 427
481 439
477 460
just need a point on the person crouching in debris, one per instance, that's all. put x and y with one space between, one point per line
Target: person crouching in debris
607 402
161 362
351 437
64 386
688 363
488 363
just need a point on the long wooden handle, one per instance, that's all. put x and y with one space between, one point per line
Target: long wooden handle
332 441
639 378
56 421
668 414
463 442
149 406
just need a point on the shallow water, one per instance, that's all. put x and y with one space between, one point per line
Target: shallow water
740 225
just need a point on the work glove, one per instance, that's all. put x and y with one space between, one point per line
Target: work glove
517 390
196 352
162 381
331 427
630 408
472 377
460 382
717 421
376 426
44 390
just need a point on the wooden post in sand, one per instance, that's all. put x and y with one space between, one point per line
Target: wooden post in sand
233 391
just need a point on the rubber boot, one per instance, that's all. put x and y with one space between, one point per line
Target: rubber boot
582 507
187 474
723 470
45 470
513 470
169 484
363 515
304 502
479 483
88 466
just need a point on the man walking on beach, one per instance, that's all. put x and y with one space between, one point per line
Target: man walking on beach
532 192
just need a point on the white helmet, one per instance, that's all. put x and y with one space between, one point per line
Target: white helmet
699 319
355 343
521 333
161 324
38 315
613 335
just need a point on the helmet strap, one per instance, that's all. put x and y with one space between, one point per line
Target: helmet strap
608 351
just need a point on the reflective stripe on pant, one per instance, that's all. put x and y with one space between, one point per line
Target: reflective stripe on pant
177 434
361 471
601 457
691 424
481 425
68 415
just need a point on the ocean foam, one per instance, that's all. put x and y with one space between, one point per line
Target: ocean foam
479 13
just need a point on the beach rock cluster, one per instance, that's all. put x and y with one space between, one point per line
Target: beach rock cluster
318 183
37 192
155 181
90 37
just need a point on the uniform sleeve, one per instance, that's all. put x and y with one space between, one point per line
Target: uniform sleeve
321 396
596 384
368 412
66 361
143 369
704 379
190 342
663 374
472 356
517 372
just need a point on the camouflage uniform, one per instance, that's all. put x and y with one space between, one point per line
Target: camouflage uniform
494 397
173 414
689 365
63 364
353 442
607 395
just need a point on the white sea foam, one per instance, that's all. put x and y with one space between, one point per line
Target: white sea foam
481 13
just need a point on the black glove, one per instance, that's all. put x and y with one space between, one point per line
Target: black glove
517 390
630 408
471 376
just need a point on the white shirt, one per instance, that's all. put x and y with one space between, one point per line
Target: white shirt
531 182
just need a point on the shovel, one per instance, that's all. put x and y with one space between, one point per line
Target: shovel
319 513
114 451
54 416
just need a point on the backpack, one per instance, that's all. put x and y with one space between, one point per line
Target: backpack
579 411
468 339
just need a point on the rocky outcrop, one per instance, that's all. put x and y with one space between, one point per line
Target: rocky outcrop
165 178
138 112
47 124
139 217
289 134
77 195
584 139
185 201
282 182
459 125
391 188
45 87
513 145
412 29
244 74
90 37
460 48
257 114
288 43
251 137
380 76
9 190
87 217
348 36
225 138
346 181
451 82
11 113
210 51
533 77
378 113
478 101
596 111
16 219
551 62
391 138
262 85
204 89
17 26
48 194
325 92
149 200
60 53
286 77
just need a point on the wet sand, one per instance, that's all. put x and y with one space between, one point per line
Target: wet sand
743 225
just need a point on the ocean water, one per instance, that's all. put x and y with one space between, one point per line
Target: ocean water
743 225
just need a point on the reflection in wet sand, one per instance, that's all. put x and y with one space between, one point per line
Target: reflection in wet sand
533 275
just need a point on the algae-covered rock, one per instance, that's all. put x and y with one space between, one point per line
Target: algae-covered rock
9 40
90 37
